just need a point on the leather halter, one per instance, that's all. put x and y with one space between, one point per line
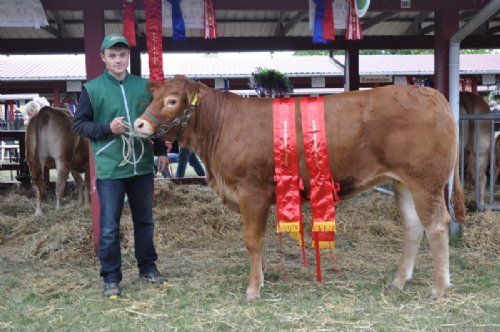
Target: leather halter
183 120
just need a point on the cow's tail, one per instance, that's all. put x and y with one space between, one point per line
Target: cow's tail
457 198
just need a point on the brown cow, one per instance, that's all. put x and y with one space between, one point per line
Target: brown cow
50 142
471 103
398 133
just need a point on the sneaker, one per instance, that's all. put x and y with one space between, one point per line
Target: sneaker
154 277
111 291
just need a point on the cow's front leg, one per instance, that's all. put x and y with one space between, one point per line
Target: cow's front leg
254 208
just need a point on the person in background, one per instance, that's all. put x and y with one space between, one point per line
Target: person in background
182 156
105 104
185 156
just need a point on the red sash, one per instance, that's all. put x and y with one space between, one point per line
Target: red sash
323 190
324 193
288 201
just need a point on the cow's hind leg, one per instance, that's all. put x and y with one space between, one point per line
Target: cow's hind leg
37 181
412 235
62 176
80 186
431 209
254 208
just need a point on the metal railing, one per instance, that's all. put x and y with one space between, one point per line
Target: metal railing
493 118
20 165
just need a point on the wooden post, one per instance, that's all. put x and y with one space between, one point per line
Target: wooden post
57 97
446 23
351 71
135 61
93 30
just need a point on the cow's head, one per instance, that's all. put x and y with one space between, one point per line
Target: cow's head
173 104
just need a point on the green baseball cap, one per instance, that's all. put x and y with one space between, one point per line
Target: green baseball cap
113 39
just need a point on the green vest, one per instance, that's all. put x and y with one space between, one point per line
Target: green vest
110 99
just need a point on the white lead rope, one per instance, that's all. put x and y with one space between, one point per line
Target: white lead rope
127 139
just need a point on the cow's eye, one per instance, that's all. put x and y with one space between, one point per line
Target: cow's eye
170 101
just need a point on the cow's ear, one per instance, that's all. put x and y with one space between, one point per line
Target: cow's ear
153 86
198 89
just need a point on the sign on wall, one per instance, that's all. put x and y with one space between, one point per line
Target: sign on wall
318 82
74 86
376 79
22 13
400 80
489 79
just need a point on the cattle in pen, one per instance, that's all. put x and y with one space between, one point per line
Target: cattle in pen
471 103
50 142
402 134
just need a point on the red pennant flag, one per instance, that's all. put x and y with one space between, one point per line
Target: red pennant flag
209 21
328 27
323 190
129 21
152 10
353 31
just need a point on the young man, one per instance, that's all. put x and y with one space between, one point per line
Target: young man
105 103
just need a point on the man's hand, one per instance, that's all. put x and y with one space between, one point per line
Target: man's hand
162 163
117 126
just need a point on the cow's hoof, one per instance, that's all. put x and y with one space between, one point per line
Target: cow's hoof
38 213
252 297
436 294
393 288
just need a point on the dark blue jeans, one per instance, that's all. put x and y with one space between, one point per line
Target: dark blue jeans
184 157
139 190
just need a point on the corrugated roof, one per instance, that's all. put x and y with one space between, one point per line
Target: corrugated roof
241 65
42 67
424 64
202 65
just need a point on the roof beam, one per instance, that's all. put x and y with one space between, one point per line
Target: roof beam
493 30
431 27
53 31
414 28
279 24
377 19
76 45
293 22
60 24
290 5
226 44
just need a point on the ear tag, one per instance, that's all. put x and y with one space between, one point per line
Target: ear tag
194 101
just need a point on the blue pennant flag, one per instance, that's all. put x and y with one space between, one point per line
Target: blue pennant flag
177 21
319 15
